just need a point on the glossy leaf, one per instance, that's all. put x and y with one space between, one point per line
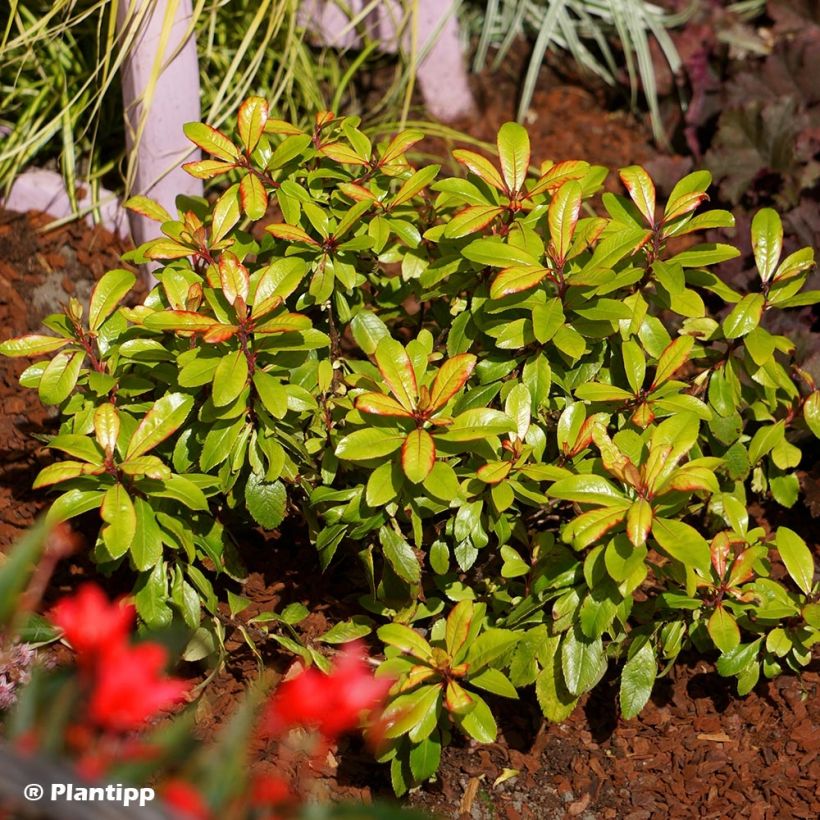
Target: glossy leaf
797 557
107 295
479 166
397 371
641 190
767 241
516 280
211 140
673 357
251 121
35 344
637 680
164 418
563 217
118 513
418 455
451 377
744 316
514 155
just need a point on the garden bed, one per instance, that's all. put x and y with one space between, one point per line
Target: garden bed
695 750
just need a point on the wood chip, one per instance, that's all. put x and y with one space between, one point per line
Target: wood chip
716 737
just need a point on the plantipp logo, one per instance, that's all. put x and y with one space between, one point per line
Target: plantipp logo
124 795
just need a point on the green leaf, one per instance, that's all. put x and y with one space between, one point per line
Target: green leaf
424 758
582 660
555 700
400 555
514 153
368 330
597 391
369 443
266 501
811 412
210 140
547 319
408 713
744 317
682 542
415 183
588 489
146 546
797 558
634 363
637 680
61 471
563 213
418 455
736 660
641 190
767 241
492 680
497 254
723 629
709 253
60 377
764 440
73 503
343 632
178 320
405 639
151 598
34 344
470 220
251 119
687 194
480 166
451 377
397 371
163 419
516 279
118 513
672 359
488 646
477 423
230 378
271 393
225 214
107 294
81 447
457 626
479 722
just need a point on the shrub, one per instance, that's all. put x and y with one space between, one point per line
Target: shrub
535 414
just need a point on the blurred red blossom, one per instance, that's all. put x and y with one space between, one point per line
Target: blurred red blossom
131 688
91 624
270 790
185 800
128 683
334 703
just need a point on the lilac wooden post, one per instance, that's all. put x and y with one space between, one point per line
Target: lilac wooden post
441 74
160 146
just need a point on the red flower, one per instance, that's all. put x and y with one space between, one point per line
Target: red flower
333 703
269 790
130 687
185 800
90 623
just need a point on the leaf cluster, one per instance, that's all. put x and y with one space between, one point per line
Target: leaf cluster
532 412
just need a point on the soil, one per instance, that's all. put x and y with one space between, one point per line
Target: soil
697 750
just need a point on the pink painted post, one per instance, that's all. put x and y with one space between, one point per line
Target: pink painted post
154 120
441 74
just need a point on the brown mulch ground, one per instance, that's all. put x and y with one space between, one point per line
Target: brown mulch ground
697 750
